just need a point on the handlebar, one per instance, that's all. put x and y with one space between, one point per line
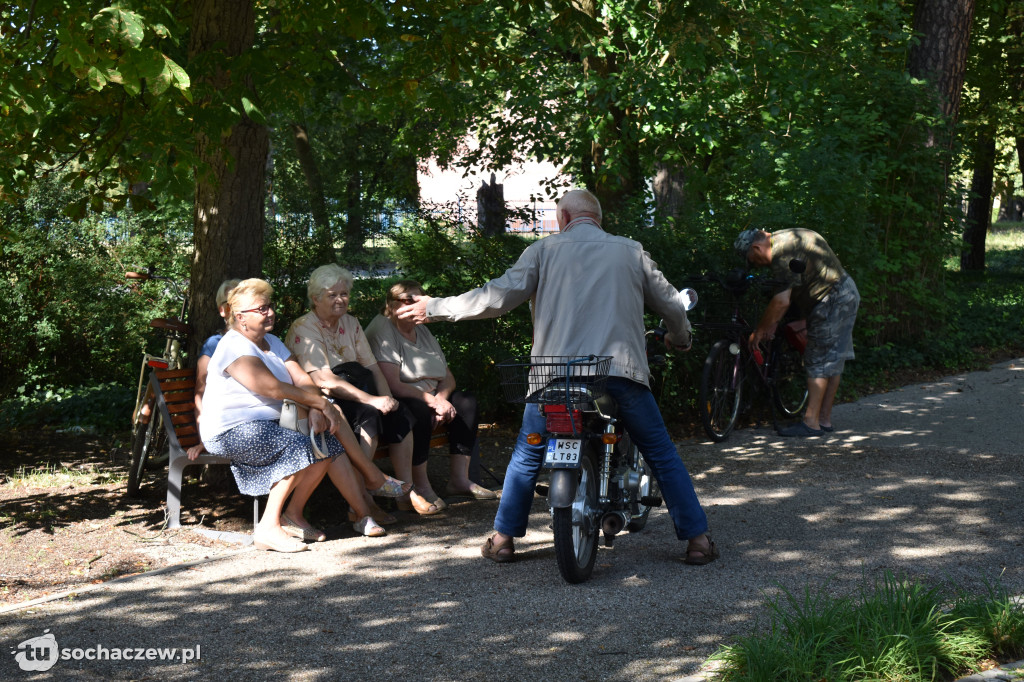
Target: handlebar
737 281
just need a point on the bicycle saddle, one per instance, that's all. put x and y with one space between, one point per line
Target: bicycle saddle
171 324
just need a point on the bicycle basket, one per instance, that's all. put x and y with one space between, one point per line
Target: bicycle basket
569 380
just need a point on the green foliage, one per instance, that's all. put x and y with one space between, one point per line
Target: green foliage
103 407
896 630
94 90
67 315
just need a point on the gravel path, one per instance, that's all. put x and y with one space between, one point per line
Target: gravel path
925 481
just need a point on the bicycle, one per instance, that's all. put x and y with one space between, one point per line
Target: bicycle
730 361
148 434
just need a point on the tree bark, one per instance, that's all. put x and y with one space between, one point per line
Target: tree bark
944 27
1020 158
669 190
979 208
355 233
315 185
228 215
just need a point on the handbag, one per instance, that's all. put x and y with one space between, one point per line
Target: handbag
357 375
796 335
295 417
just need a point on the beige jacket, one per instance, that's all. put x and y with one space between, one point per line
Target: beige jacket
589 290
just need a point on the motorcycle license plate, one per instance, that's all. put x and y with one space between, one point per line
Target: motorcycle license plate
563 453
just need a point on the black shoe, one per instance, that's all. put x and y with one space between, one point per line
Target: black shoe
800 430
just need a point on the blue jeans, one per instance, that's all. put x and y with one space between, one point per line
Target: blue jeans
640 416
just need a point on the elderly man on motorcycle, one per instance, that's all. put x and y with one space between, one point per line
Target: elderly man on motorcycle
589 289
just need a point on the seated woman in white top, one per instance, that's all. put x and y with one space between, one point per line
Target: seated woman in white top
249 375
418 375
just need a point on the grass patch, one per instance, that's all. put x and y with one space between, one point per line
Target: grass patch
897 630
48 476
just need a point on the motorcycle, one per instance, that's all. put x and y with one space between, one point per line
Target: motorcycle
599 482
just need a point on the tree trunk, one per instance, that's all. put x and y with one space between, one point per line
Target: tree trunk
979 209
354 230
315 185
669 190
1020 158
944 27
940 58
230 193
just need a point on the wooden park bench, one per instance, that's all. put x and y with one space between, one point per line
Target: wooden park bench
175 391
176 400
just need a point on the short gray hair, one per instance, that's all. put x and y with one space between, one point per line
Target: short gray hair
325 277
748 238
577 201
224 290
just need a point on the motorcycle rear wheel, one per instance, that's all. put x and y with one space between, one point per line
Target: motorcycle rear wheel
576 533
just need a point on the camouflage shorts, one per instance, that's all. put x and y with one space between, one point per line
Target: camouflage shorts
830 330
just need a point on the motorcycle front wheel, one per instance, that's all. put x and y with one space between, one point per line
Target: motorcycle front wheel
575 529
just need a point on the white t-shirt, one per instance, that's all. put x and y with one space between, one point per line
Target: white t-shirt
227 403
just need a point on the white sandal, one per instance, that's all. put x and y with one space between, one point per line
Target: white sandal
368 527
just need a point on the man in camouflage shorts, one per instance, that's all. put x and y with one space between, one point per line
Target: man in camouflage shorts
828 299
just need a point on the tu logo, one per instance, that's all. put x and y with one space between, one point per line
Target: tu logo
37 654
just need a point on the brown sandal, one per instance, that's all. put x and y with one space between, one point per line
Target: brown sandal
494 552
421 505
702 557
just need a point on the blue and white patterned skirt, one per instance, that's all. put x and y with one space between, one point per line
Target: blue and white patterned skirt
263 452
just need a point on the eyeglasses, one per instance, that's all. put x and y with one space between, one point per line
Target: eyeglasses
263 310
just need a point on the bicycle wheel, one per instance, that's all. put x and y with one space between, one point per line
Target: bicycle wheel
145 441
720 391
575 529
789 381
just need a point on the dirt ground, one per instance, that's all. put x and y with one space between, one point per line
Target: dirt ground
76 526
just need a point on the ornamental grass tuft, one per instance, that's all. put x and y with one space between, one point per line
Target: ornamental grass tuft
897 630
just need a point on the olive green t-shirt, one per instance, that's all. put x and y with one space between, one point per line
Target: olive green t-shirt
822 271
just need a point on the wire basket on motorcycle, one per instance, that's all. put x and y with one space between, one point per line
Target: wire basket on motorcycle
574 381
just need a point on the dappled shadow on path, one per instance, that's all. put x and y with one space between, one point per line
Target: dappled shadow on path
876 496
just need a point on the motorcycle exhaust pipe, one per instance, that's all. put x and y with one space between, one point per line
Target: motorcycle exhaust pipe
613 522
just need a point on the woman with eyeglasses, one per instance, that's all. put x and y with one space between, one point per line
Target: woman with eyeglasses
248 377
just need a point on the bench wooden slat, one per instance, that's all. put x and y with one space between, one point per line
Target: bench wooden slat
187 374
182 408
